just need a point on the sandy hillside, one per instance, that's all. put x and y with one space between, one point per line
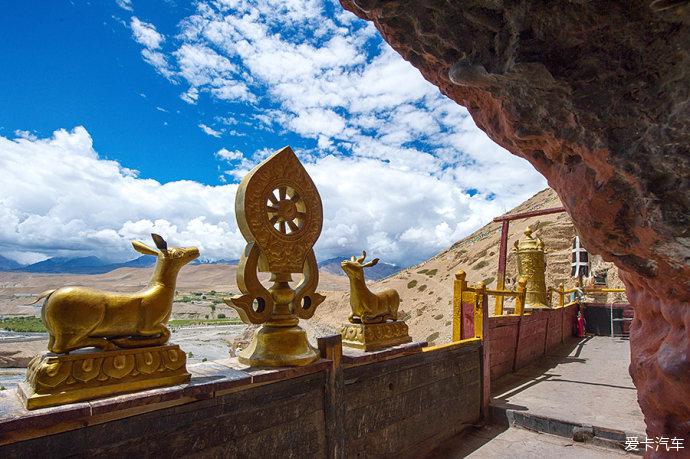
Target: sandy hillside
426 289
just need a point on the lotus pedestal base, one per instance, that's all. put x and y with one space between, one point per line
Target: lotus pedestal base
59 379
374 337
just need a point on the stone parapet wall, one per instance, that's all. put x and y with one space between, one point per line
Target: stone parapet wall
404 406
517 341
377 404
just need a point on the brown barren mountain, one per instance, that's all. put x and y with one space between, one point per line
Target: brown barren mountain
18 289
426 290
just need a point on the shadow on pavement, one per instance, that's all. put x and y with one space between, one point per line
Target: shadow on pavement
467 442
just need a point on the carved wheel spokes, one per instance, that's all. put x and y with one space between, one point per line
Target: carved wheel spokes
286 210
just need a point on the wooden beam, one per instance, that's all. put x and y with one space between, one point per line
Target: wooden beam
331 348
534 213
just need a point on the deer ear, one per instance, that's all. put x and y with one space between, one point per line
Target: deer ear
160 242
143 248
371 263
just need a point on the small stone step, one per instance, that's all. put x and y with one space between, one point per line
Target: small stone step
595 435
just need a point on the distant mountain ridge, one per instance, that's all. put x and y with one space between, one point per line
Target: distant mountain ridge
95 265
7 265
377 272
87 265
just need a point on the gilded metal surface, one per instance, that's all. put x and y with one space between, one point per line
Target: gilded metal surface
279 213
369 328
279 208
475 298
368 307
78 317
373 337
128 329
532 267
57 379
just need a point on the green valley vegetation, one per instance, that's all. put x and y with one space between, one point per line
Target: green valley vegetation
31 324
24 324
212 297
178 323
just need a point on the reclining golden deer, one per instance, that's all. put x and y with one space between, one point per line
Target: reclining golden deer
368 307
78 317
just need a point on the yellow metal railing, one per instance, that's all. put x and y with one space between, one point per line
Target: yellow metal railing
474 295
478 295
562 292
518 294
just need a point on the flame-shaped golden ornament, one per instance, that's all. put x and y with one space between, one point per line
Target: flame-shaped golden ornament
279 213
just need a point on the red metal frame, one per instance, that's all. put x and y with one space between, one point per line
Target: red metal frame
503 249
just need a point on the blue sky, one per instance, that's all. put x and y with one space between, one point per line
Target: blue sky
125 117
79 65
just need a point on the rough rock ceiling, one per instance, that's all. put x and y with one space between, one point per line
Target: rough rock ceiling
596 95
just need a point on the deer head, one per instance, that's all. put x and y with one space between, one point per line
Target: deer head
354 267
170 259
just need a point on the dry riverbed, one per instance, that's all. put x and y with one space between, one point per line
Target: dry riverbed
201 343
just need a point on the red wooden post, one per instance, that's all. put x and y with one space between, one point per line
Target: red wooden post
501 275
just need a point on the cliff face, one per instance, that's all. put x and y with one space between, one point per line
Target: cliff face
596 95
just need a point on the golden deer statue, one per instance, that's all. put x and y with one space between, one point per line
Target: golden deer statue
78 317
368 307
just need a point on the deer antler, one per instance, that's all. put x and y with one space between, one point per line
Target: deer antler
361 259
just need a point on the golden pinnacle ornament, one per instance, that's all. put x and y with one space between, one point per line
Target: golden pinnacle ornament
532 266
279 213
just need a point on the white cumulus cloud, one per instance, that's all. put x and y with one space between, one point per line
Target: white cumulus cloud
60 198
125 4
146 34
228 155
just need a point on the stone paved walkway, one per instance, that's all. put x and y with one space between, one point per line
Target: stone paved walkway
493 442
585 382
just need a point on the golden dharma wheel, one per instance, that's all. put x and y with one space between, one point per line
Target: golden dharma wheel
286 210
279 208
